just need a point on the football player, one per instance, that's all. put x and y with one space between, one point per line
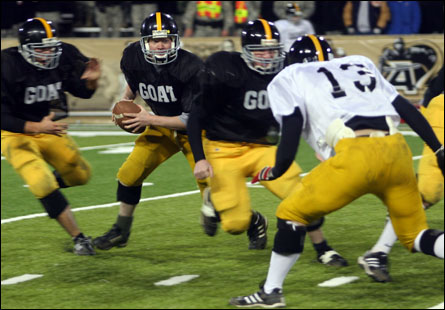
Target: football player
240 137
430 181
166 78
351 122
35 76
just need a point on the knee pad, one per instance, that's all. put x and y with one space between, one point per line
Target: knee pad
54 203
428 241
315 224
128 194
289 238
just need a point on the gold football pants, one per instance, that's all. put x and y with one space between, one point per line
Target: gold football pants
232 163
30 155
430 178
154 146
380 166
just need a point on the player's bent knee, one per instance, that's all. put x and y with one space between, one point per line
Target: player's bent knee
289 238
128 194
81 174
54 203
315 224
430 198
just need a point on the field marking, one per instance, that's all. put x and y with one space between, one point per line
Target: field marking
338 281
439 306
22 278
98 147
107 205
177 280
87 134
118 150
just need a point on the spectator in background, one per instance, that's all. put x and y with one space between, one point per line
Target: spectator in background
243 12
280 7
366 17
293 26
208 18
109 15
405 17
227 45
139 11
432 16
84 14
327 18
50 10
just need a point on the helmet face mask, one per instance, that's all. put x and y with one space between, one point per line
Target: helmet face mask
38 44
155 28
261 47
309 48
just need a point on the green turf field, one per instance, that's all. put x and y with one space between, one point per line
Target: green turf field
167 241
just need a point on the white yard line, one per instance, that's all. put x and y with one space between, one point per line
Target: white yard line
107 205
22 278
439 306
98 147
338 281
177 280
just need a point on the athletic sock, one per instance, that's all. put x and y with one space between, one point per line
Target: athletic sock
321 247
278 269
386 239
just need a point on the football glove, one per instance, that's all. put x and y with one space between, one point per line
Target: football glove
264 175
440 157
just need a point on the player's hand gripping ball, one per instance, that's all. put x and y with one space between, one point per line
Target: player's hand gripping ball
125 106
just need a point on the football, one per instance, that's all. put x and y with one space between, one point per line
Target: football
125 106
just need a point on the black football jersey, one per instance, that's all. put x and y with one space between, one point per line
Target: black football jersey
169 90
235 101
29 93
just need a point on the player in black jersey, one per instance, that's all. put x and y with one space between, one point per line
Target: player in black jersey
35 76
166 77
241 134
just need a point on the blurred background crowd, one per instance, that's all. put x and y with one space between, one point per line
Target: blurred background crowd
226 18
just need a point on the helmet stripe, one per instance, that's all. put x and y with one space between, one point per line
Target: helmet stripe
317 47
47 27
267 29
158 20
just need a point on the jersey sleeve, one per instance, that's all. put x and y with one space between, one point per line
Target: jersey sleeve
126 68
72 66
283 96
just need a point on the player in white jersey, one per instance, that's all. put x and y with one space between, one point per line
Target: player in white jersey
347 112
293 26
